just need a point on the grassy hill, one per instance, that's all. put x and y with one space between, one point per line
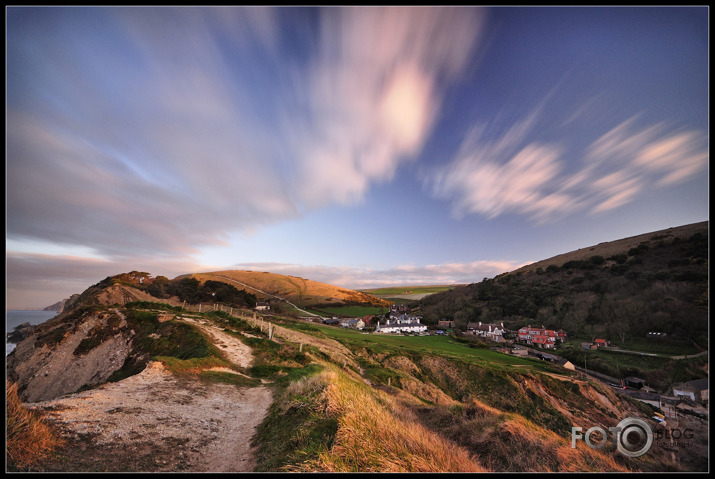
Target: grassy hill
300 291
407 295
612 248
618 290
434 404
345 401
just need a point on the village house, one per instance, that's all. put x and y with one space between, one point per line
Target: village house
403 318
261 306
566 364
354 323
403 324
601 343
331 321
635 383
696 391
542 341
445 324
488 331
541 337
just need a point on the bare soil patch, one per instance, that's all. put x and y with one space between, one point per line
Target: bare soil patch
157 422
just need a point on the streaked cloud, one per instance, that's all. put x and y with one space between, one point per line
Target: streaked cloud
183 125
375 92
143 137
513 173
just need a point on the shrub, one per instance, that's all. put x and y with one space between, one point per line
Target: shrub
619 258
619 269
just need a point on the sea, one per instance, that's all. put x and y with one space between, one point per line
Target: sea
16 318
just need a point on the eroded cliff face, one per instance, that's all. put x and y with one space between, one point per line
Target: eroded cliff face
69 352
82 346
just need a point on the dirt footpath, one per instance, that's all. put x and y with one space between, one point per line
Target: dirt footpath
155 421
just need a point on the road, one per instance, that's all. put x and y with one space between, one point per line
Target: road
265 293
640 353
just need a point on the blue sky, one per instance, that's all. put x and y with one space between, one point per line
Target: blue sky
357 146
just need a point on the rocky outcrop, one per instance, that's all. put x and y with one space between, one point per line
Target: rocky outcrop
122 294
63 355
61 306
19 333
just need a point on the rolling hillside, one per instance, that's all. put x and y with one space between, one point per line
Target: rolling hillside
620 290
612 248
300 291
326 399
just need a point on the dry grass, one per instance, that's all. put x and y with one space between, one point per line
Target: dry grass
28 438
376 435
509 442
610 248
301 291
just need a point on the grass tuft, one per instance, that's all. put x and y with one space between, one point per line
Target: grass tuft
29 439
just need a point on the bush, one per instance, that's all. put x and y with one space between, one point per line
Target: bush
619 269
597 259
619 258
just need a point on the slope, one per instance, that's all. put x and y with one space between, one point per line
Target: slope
302 292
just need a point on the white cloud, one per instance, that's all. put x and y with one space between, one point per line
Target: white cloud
183 125
515 173
374 94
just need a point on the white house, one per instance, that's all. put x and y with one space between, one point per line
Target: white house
400 327
488 331
403 318
357 323
696 390
262 306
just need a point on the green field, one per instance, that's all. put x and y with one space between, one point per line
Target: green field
398 290
351 311
437 345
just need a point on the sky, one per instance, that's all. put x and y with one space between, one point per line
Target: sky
358 146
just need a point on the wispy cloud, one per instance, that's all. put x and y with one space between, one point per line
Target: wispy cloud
517 173
176 126
374 93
